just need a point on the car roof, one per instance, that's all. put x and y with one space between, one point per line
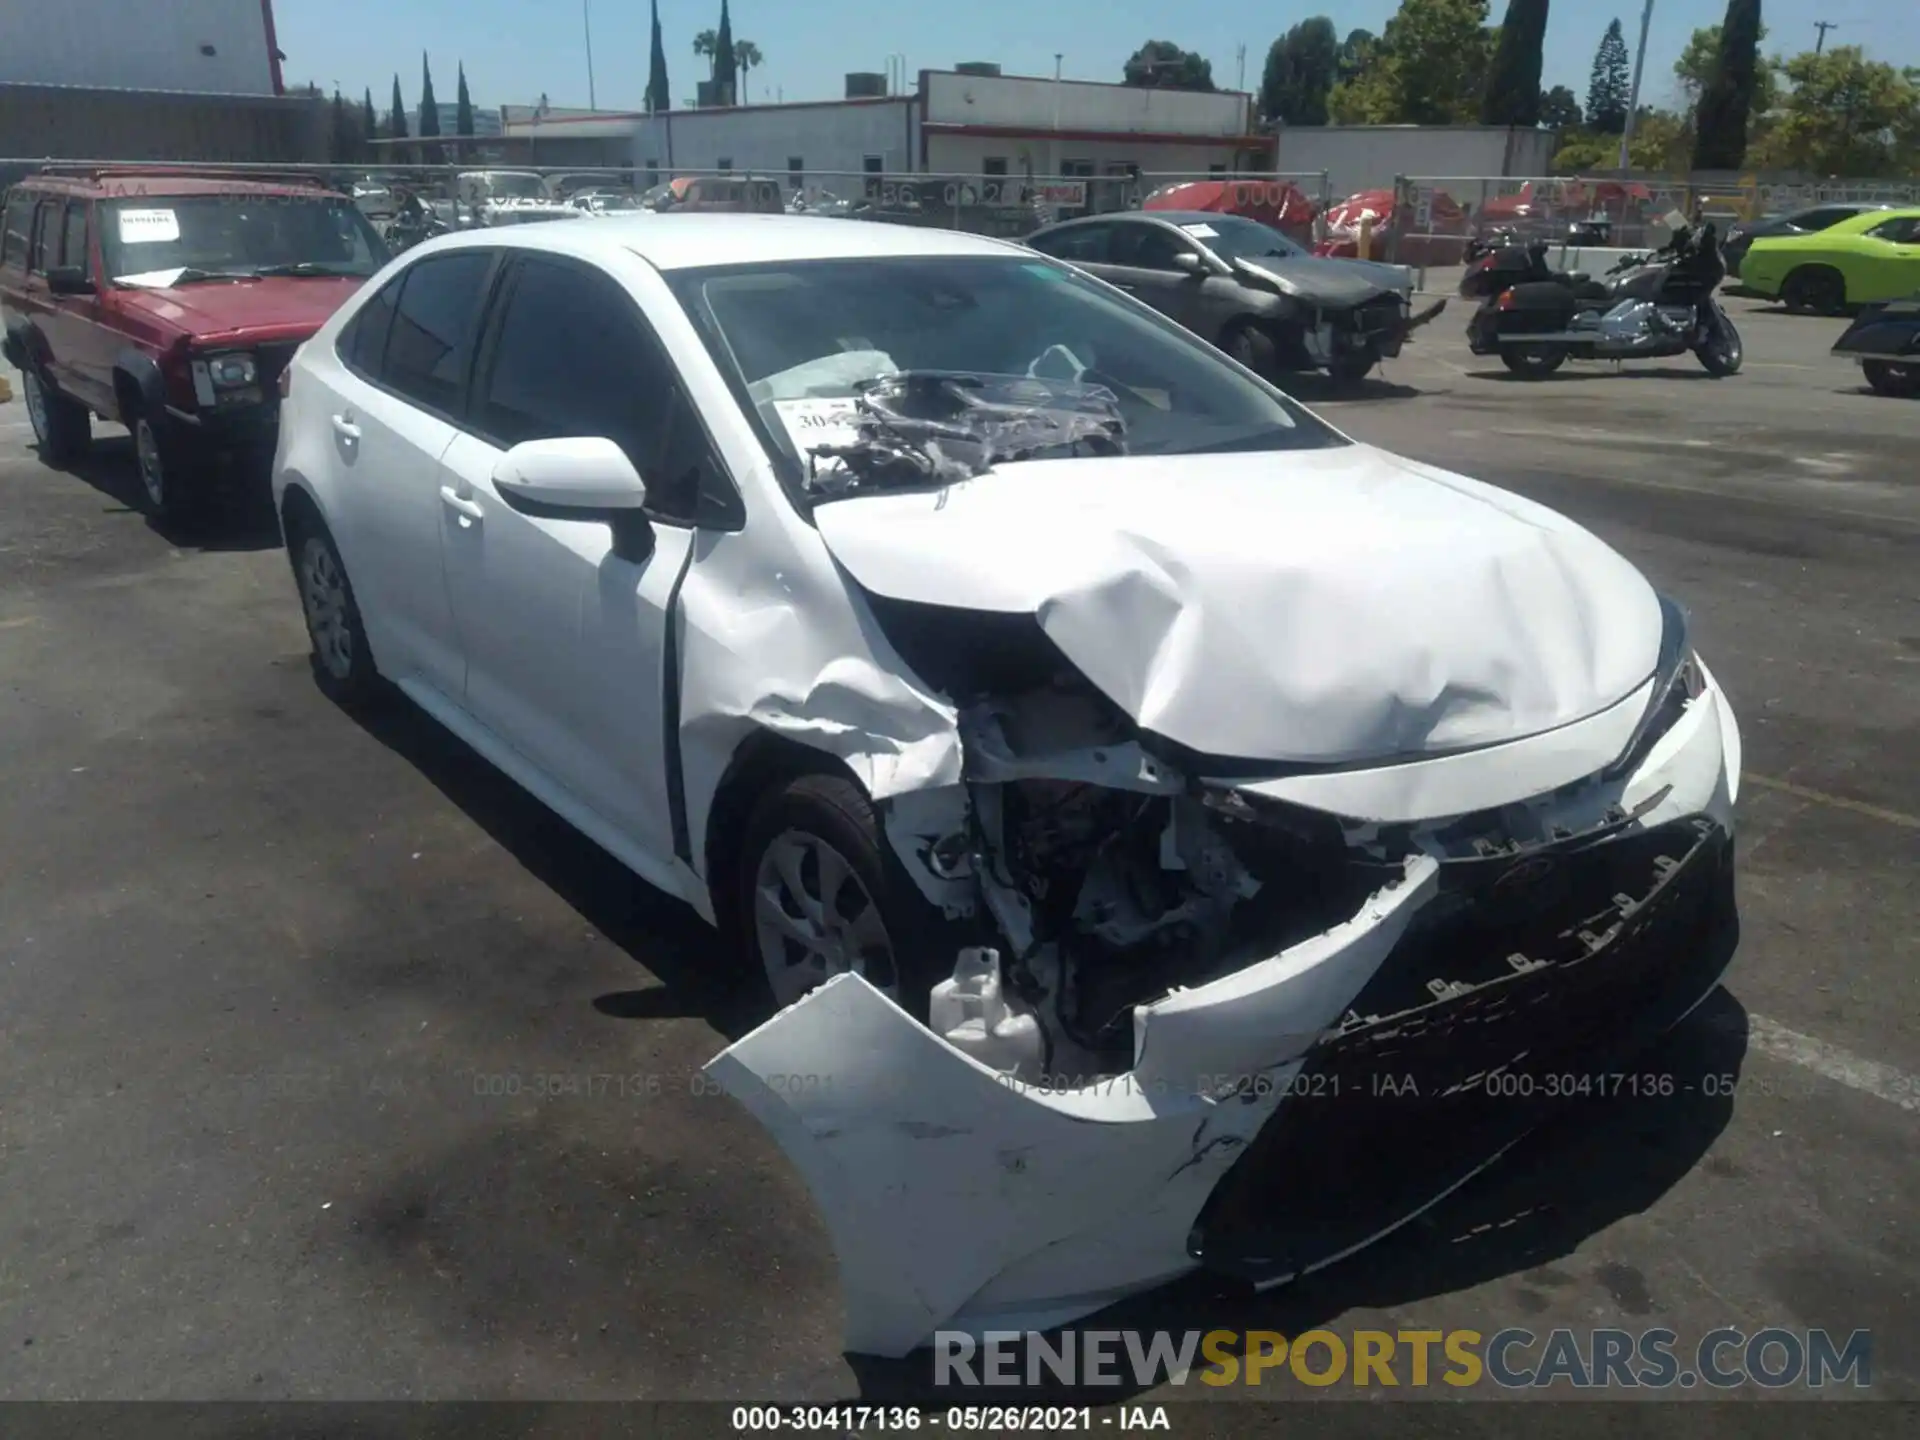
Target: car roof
133 183
1881 216
670 241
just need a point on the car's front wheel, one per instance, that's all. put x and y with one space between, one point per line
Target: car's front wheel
62 428
1352 367
342 659
819 892
168 489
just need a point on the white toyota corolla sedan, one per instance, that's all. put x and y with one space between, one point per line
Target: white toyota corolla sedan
1171 833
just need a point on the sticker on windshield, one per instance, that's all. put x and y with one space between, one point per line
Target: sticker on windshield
148 227
815 422
1201 232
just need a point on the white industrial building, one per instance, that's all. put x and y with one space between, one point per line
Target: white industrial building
957 122
205 47
148 80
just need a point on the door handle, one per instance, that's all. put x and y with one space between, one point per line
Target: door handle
460 505
344 427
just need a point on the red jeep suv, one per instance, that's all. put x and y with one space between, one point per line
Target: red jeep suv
170 300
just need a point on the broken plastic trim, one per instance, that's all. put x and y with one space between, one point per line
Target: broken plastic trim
1067 1194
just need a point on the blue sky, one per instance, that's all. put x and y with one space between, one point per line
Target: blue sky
517 49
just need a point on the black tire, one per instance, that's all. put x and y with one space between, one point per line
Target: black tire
1887 378
62 427
1816 288
833 809
169 490
1351 368
1721 354
342 660
1244 342
1532 362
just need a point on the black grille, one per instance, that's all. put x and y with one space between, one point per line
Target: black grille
1463 1042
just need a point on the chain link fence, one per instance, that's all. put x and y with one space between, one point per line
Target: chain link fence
1434 217
409 202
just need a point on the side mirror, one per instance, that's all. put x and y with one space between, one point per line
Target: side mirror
69 280
1189 263
579 478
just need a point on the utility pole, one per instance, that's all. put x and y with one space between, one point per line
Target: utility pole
586 19
1822 26
1240 55
1633 97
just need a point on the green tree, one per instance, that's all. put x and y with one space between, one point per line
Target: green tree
1356 53
1845 115
704 45
1300 72
1161 64
747 56
429 107
726 75
1726 105
1560 109
659 91
1428 69
369 122
341 141
1609 90
1513 84
463 107
397 119
1694 69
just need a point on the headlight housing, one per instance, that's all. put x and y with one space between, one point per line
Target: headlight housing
231 372
1677 682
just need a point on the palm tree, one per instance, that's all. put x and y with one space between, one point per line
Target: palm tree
707 43
746 55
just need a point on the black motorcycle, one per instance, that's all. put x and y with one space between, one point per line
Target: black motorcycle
413 221
1646 307
1885 339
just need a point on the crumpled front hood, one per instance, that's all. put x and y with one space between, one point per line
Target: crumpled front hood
1328 281
1313 607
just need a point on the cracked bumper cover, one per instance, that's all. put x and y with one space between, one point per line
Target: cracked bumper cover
959 1199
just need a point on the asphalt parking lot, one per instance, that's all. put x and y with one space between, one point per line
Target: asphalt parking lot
263 968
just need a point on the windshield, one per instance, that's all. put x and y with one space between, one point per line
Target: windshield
506 185
1234 237
801 340
149 239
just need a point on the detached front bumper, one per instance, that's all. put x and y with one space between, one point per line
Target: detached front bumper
1253 1134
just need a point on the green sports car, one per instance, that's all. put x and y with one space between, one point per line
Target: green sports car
1872 256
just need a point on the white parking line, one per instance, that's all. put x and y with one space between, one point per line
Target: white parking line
1838 802
1870 1077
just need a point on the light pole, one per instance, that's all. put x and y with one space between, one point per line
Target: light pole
1633 97
586 20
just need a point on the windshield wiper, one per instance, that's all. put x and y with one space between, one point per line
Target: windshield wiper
313 269
191 274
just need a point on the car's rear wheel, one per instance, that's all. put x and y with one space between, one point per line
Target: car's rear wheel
1818 288
1532 362
1890 379
819 892
62 428
342 660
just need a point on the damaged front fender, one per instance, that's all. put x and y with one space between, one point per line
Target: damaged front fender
960 1198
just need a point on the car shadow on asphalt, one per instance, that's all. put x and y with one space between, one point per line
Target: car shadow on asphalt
1520 1225
658 932
240 519
1314 388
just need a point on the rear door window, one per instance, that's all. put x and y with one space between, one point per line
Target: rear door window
17 236
363 343
432 332
1084 244
74 249
46 237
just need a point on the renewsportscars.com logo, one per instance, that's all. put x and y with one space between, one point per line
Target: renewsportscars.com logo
1513 1358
